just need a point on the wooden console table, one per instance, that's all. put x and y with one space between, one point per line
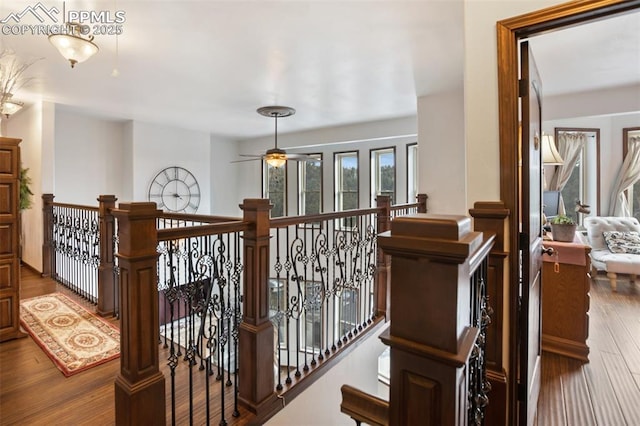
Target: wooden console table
565 299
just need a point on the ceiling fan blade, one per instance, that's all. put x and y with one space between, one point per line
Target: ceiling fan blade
244 161
252 155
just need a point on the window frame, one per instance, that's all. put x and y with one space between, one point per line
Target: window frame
312 318
265 186
596 131
277 287
302 188
409 165
625 149
373 167
336 181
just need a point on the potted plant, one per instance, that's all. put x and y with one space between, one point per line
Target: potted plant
25 190
563 228
25 201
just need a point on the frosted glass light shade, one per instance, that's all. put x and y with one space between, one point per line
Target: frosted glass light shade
9 106
73 47
276 159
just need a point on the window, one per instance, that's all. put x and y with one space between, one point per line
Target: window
274 187
412 172
348 309
346 183
277 307
310 186
574 188
584 182
311 335
383 174
633 193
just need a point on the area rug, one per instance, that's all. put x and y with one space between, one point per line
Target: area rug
74 338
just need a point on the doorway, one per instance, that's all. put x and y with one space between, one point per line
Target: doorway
510 32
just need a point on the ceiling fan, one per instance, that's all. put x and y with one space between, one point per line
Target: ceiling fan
277 157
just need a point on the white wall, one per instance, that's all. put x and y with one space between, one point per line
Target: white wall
156 147
89 152
27 125
616 100
127 162
358 137
441 152
481 91
225 197
320 403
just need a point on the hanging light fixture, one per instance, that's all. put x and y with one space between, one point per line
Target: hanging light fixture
9 106
550 155
276 157
72 45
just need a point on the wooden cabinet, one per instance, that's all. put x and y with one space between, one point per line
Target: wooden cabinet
9 239
565 299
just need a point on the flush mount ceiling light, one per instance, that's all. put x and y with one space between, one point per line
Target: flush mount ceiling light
276 157
9 106
72 45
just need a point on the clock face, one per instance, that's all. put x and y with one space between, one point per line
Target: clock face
175 189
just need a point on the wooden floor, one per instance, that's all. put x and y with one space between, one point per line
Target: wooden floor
606 391
34 392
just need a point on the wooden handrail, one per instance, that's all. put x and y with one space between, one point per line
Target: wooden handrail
199 217
481 252
281 222
365 408
405 206
198 230
75 206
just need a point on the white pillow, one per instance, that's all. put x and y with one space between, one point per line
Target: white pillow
623 241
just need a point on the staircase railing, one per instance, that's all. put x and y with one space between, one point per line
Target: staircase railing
439 319
78 249
292 292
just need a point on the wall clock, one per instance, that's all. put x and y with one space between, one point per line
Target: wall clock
175 189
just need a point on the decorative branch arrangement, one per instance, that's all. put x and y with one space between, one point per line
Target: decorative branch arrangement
12 76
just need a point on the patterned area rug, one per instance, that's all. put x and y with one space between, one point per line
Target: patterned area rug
74 338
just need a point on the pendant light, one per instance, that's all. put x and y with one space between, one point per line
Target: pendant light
73 45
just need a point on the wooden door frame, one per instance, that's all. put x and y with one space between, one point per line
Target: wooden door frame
509 33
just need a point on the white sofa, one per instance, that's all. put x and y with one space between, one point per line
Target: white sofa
601 257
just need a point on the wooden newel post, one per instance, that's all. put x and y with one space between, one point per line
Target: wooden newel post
493 217
430 337
139 387
47 233
422 199
383 261
256 331
106 290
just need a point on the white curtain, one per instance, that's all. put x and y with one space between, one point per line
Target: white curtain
569 146
627 176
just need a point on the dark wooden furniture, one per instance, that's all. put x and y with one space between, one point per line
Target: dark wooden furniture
9 239
565 299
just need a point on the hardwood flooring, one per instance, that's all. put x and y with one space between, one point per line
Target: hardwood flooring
605 391
34 392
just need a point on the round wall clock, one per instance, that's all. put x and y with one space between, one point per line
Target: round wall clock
175 189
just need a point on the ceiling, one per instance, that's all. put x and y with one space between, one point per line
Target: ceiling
208 65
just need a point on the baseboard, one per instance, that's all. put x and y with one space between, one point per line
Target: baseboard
29 267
